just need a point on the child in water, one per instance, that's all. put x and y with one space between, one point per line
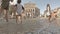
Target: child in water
19 10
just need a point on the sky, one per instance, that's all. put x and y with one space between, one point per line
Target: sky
41 4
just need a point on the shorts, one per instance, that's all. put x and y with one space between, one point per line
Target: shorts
18 14
5 6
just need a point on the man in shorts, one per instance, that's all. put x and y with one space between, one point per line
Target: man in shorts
5 8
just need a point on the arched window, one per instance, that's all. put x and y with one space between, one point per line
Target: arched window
33 9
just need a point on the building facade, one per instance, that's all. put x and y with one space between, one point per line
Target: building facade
58 12
31 10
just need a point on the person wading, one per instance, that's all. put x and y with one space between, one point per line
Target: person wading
5 8
19 11
53 16
12 8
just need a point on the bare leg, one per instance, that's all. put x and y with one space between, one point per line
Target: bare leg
6 16
16 18
49 18
5 13
21 19
1 11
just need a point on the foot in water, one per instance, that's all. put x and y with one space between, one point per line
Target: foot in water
19 22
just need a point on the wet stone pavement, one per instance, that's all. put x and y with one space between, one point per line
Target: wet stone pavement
30 26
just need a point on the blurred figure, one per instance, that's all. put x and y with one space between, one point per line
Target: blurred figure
20 9
49 18
0 5
48 10
0 8
5 8
53 16
12 8
23 15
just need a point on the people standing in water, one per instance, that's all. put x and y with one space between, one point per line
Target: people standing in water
20 9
